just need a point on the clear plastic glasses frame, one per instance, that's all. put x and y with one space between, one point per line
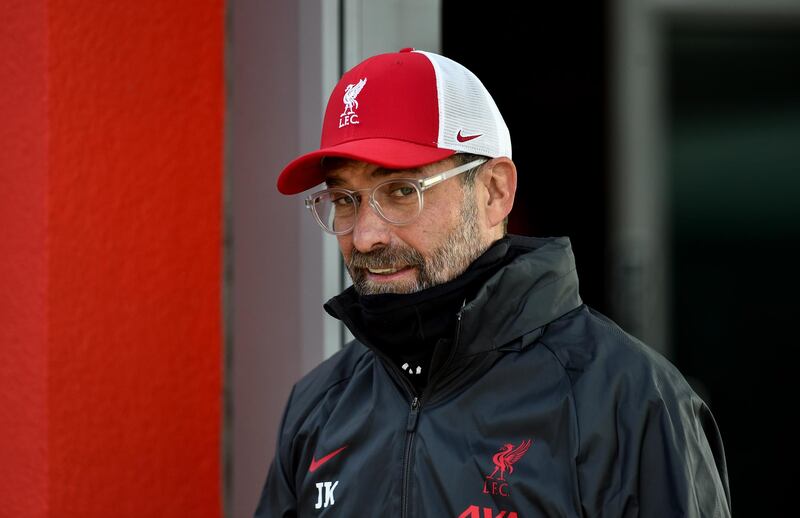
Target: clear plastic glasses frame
347 200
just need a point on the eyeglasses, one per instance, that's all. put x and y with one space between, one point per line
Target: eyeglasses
397 201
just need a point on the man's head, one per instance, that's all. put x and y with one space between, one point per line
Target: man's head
408 115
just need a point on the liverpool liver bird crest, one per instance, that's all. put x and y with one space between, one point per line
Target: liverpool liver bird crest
350 94
506 457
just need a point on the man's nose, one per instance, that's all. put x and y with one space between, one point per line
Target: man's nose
370 231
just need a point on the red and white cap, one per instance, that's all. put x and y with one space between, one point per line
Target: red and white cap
403 110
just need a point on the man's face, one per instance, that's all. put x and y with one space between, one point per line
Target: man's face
434 248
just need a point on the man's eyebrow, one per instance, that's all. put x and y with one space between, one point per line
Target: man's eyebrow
332 180
383 171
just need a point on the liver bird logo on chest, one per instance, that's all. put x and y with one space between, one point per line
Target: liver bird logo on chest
506 457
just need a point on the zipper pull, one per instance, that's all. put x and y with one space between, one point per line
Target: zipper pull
411 424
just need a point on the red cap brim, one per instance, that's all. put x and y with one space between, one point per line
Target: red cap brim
305 172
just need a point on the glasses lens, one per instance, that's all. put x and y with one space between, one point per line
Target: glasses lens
398 201
335 211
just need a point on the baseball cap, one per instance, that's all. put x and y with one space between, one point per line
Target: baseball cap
402 110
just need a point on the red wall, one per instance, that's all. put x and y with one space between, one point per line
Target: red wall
23 259
111 201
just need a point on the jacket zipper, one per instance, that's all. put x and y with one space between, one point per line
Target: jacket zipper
411 429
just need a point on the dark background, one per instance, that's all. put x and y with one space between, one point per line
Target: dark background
548 73
732 130
734 148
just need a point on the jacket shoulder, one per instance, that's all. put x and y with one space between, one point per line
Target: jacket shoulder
593 348
635 411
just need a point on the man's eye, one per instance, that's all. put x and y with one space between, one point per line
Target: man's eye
401 191
343 201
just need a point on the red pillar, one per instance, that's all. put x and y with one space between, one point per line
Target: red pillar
111 123
23 259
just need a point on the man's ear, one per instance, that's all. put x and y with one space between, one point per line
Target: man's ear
499 178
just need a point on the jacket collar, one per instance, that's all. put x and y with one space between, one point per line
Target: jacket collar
537 287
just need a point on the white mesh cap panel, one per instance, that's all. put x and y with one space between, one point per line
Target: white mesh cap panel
465 106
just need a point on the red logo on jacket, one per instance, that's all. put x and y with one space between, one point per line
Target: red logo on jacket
474 511
504 460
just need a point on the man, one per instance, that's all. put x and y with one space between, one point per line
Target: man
479 385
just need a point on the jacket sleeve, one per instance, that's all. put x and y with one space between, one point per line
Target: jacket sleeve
656 452
681 468
278 497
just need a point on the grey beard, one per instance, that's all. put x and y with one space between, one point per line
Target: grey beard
446 262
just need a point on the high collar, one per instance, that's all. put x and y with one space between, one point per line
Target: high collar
536 286
413 323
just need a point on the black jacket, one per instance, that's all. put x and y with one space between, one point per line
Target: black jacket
542 407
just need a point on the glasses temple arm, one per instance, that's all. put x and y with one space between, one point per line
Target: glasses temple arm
433 180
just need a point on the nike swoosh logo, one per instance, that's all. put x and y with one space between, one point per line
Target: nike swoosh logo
462 138
315 464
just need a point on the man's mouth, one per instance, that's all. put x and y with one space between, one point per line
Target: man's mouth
386 278
383 271
388 273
